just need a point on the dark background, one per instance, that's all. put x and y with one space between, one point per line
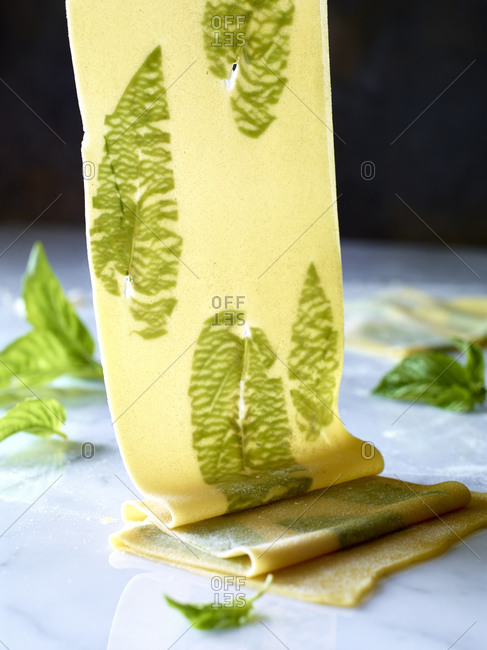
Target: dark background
389 61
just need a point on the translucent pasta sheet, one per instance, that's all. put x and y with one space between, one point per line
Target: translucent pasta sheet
211 214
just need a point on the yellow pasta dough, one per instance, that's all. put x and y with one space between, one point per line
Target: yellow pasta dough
398 322
222 358
214 255
343 577
289 531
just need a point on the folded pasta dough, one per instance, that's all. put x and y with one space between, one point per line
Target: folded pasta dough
344 578
292 530
341 578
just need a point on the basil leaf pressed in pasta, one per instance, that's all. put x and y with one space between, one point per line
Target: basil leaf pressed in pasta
134 247
437 379
266 433
314 358
248 42
241 431
40 417
59 344
217 616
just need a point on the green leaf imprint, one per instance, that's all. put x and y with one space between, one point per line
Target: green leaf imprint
254 35
379 491
220 534
134 248
241 432
350 530
314 358
371 493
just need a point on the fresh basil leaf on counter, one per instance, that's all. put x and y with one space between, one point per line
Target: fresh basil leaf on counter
214 616
39 357
59 344
40 417
48 308
437 379
474 364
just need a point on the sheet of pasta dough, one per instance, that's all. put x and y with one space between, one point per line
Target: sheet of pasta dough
398 322
341 578
344 577
213 247
290 531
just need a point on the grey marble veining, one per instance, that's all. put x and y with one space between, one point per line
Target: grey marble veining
58 588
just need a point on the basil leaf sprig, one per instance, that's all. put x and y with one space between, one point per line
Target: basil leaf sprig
213 616
437 379
59 343
40 417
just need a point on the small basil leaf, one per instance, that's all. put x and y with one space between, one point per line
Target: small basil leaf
58 345
39 357
212 616
435 378
40 417
48 308
475 368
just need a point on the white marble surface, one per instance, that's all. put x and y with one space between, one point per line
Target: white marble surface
58 589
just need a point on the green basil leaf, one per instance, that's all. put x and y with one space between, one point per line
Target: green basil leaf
40 417
475 368
215 616
435 378
39 357
59 344
48 308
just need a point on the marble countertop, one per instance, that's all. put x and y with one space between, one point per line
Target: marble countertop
59 589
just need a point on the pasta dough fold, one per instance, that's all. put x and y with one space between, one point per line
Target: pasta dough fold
291 531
